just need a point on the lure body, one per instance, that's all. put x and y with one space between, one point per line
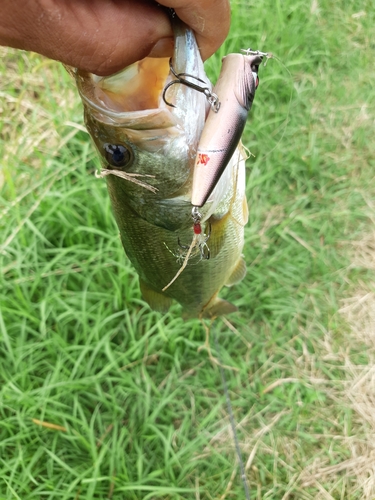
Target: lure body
148 151
223 129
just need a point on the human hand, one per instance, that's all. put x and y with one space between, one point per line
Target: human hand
104 36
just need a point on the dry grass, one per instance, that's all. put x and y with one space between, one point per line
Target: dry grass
33 127
357 390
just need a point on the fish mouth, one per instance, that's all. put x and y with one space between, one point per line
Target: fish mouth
130 98
137 88
134 97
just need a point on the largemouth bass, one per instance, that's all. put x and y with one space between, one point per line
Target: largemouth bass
148 151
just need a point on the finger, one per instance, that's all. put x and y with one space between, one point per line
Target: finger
210 20
98 36
126 32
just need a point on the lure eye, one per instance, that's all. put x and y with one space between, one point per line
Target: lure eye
255 69
117 155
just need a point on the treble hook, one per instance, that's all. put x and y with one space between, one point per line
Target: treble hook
212 98
203 237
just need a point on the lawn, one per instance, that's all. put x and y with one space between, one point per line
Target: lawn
102 398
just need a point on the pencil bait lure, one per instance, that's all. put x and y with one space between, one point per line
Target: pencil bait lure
235 89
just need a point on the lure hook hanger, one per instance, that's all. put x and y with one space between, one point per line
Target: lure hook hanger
212 98
251 52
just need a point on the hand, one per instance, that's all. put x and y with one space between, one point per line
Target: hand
104 36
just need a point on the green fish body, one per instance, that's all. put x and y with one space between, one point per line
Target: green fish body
148 150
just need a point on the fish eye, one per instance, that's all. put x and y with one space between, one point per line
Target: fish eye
117 155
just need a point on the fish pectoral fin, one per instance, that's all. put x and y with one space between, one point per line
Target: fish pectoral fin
157 301
238 273
218 307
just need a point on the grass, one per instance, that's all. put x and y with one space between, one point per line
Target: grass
140 407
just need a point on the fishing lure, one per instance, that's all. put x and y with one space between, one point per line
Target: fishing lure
235 89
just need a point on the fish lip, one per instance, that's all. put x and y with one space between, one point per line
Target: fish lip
123 118
95 107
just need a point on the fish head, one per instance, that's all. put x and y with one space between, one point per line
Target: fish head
148 145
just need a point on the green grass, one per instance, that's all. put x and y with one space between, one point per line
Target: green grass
142 405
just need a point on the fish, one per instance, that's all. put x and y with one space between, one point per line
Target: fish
146 127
